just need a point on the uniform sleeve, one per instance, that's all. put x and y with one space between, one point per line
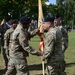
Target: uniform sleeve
33 33
48 48
65 37
25 45
6 40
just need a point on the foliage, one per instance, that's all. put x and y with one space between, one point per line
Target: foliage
67 9
17 8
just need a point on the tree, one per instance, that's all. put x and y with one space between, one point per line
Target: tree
67 9
17 8
70 11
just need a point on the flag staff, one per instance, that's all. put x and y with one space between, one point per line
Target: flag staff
40 17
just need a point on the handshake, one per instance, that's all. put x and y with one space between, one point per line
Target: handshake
39 53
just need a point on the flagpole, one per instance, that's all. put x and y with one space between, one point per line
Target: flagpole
40 12
40 17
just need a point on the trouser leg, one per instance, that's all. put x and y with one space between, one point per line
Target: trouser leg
11 68
22 67
5 57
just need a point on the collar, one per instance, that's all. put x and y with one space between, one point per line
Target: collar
20 27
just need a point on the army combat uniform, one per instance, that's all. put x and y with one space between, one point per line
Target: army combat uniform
53 52
63 30
7 44
64 38
19 51
7 39
4 28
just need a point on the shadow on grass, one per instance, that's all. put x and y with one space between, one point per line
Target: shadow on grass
70 64
2 71
39 74
36 67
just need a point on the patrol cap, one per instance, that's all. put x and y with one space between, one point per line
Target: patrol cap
15 21
57 16
48 19
25 20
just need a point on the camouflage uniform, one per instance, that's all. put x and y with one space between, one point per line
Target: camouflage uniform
4 28
53 52
7 43
7 39
31 28
64 38
20 49
59 24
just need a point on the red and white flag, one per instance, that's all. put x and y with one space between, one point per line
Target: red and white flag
41 46
40 17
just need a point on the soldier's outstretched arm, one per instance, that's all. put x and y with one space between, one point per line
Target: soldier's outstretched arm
33 33
25 45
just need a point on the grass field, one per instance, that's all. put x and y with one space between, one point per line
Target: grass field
34 62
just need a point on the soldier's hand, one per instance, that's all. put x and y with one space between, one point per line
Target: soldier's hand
41 35
7 52
41 28
39 53
43 58
8 57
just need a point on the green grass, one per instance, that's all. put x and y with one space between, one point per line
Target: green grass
70 55
34 62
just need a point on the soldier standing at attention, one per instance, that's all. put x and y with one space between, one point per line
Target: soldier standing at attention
4 28
53 48
8 36
8 39
20 48
58 23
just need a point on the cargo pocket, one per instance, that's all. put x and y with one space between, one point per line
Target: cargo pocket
22 66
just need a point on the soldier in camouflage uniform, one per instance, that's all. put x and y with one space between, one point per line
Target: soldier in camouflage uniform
61 27
53 48
31 27
4 28
20 48
7 36
7 40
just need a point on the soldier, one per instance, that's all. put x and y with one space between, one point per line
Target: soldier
4 28
8 34
53 48
20 48
31 27
7 39
59 24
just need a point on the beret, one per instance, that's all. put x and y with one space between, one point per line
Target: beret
15 21
25 20
57 16
48 19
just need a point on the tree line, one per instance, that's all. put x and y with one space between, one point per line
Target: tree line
18 8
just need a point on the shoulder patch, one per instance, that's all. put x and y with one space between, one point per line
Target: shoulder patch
23 39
